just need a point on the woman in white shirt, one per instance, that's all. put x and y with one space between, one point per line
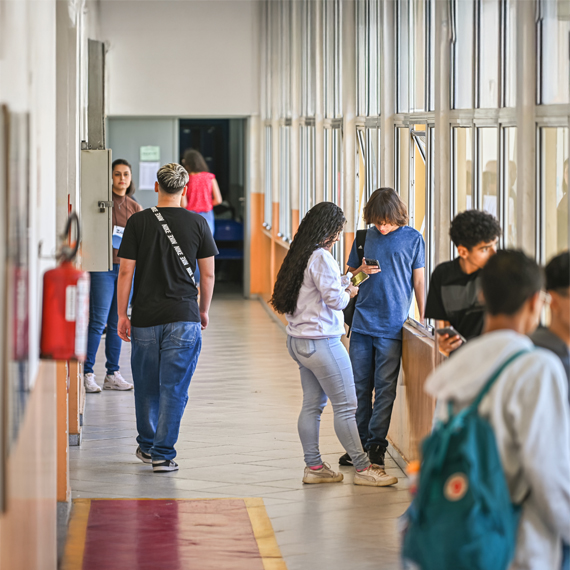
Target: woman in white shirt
310 293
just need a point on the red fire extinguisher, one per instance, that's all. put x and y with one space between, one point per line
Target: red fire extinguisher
65 311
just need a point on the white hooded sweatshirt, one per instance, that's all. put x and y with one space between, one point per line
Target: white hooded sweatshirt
528 410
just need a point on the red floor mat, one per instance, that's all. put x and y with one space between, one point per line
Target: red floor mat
170 535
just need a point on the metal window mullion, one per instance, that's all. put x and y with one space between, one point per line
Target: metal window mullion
412 182
503 186
476 93
476 200
540 199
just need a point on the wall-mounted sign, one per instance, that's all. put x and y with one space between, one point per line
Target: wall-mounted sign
150 154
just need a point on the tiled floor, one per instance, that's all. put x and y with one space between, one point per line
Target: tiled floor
239 439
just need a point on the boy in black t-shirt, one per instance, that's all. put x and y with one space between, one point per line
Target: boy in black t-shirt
453 297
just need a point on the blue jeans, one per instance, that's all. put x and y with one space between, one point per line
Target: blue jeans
103 312
326 372
376 364
209 217
163 360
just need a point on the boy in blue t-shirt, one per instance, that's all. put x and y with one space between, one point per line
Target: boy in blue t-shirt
382 306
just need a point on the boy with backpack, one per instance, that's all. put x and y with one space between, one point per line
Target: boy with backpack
503 432
382 307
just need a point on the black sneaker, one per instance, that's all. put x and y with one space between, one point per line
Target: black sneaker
376 455
345 460
144 457
164 466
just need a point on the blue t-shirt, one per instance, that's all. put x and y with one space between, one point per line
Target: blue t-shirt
384 300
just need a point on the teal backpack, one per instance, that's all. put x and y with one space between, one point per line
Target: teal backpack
462 517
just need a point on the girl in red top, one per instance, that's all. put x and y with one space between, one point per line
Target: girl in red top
203 190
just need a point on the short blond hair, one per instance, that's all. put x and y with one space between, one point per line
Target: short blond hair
172 178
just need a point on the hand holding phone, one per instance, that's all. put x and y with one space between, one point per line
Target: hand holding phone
372 262
451 332
359 278
369 266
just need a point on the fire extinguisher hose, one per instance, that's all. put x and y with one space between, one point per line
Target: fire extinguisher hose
68 253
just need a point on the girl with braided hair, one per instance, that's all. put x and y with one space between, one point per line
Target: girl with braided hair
309 291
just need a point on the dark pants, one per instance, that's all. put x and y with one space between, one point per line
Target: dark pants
376 365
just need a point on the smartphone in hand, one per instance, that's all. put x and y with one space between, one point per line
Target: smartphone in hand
451 332
359 278
373 262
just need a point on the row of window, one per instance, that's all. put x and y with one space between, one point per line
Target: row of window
305 113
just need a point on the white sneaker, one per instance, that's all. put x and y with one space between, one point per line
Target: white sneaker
374 476
116 382
323 475
90 384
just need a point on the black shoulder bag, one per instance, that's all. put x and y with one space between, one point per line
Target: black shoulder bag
349 309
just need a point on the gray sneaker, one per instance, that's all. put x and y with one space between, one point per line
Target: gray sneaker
323 475
116 382
374 476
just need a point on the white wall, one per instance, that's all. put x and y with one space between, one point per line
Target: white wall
181 58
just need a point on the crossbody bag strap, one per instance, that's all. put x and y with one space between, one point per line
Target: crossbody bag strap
174 243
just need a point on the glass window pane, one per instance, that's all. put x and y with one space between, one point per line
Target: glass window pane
402 56
373 80
555 66
268 186
284 185
510 184
554 182
463 54
488 183
418 37
361 165
306 169
510 54
489 54
431 58
308 61
403 163
462 168
418 204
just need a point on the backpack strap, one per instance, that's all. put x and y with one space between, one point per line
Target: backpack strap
360 241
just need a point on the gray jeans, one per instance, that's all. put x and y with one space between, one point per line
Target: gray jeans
326 372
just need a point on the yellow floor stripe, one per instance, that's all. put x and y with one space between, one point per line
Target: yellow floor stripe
76 534
260 523
264 535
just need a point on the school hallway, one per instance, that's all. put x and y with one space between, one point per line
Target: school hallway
239 439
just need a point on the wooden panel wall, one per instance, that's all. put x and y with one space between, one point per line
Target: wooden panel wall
413 410
28 527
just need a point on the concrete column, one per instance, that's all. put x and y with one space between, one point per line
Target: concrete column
443 151
349 112
388 109
526 122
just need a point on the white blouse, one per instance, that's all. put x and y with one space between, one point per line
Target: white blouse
321 300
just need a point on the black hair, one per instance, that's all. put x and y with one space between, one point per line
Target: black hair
131 188
472 227
193 161
558 272
385 206
318 228
508 280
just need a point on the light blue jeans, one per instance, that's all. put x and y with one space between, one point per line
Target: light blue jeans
209 217
163 360
326 373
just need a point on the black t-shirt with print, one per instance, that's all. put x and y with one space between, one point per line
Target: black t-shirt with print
163 291
453 296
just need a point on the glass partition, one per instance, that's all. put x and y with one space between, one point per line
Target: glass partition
462 141
488 191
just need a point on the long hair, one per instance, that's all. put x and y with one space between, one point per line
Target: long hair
318 229
193 161
131 188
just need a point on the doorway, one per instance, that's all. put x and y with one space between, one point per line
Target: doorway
222 144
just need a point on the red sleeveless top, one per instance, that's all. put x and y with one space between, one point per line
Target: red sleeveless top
199 192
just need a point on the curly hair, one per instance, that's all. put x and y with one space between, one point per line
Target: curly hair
319 228
472 227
